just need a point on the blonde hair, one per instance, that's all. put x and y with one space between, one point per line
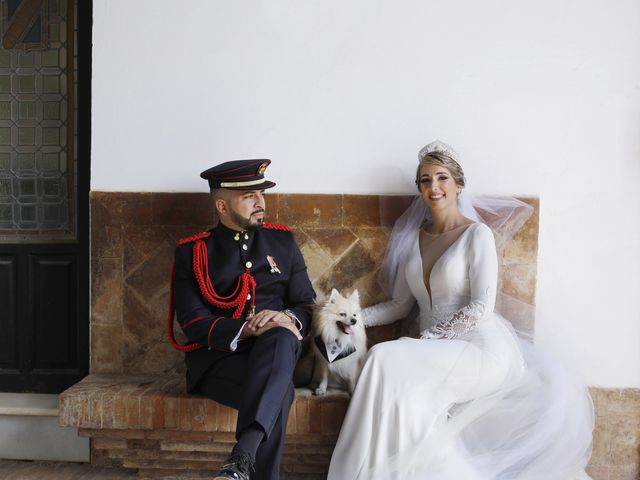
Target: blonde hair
445 161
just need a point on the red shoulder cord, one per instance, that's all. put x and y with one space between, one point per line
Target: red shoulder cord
276 226
238 299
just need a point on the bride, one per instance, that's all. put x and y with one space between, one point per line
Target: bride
468 399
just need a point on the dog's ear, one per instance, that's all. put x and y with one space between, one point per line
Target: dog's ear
355 296
334 295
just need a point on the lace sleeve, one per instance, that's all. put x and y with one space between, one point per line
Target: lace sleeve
483 279
462 322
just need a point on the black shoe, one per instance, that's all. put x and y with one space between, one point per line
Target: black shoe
237 467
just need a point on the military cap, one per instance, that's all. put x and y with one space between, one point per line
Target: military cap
239 175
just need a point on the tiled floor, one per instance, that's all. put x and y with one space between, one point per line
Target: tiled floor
28 470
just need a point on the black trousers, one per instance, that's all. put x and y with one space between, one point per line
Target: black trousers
257 381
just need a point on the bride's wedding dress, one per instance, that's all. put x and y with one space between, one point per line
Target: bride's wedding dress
470 400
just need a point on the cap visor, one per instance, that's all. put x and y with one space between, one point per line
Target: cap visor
261 186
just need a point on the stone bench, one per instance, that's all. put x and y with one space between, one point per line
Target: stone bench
133 405
149 423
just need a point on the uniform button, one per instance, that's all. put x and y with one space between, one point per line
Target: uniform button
246 236
244 247
236 237
248 264
249 297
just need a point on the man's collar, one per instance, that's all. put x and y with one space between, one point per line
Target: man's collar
226 234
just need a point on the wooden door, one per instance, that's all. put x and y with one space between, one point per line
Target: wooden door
45 93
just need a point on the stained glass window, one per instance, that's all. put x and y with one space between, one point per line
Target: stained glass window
37 134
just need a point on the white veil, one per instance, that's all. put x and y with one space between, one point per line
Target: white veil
504 215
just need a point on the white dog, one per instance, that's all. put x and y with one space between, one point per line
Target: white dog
339 343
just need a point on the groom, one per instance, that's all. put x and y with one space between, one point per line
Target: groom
243 299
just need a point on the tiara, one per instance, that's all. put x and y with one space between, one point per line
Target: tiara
438 147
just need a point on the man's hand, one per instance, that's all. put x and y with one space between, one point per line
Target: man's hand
267 319
263 317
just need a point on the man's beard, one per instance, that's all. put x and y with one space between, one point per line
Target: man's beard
246 223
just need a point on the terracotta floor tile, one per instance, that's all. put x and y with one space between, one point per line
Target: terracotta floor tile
28 470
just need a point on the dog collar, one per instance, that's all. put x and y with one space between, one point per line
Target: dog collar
334 351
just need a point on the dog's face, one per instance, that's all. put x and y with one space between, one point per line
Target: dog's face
345 312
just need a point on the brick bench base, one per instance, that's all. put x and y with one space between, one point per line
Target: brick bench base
150 424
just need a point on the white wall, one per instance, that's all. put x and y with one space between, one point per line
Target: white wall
541 97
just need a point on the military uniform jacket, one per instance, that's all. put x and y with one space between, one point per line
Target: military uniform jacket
274 260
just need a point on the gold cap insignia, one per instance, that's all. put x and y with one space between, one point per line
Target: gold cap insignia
262 168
